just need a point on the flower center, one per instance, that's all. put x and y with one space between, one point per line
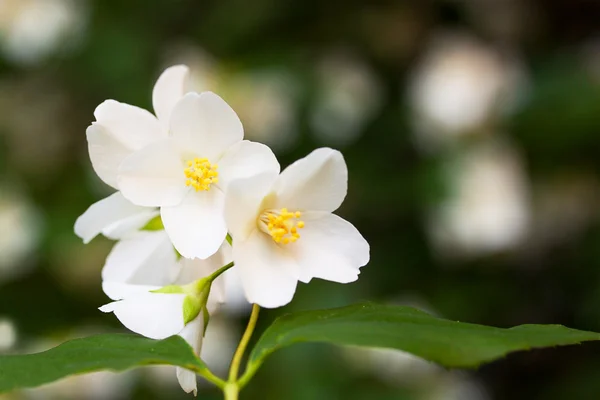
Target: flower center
200 174
282 225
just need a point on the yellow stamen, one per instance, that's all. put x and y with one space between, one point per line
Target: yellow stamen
281 225
200 174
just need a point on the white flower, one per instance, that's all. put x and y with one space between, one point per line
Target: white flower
148 256
284 231
145 257
187 174
140 255
121 129
178 312
114 216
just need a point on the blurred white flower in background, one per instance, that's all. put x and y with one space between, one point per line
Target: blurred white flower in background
204 69
393 366
93 386
348 97
30 30
461 87
487 209
590 57
264 98
20 229
425 380
8 334
34 124
456 386
564 208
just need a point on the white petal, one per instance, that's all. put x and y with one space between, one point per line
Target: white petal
187 380
121 290
154 315
246 159
243 202
106 153
317 182
130 125
130 225
168 90
193 334
235 300
194 269
267 272
218 290
329 248
153 176
205 125
105 213
217 295
196 226
146 258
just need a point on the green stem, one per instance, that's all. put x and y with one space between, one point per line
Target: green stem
231 391
239 353
205 372
218 272
209 376
251 369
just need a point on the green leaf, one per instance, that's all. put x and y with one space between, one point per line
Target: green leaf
448 343
115 352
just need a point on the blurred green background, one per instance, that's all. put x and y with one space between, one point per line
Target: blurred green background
471 130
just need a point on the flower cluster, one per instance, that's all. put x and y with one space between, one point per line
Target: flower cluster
193 198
